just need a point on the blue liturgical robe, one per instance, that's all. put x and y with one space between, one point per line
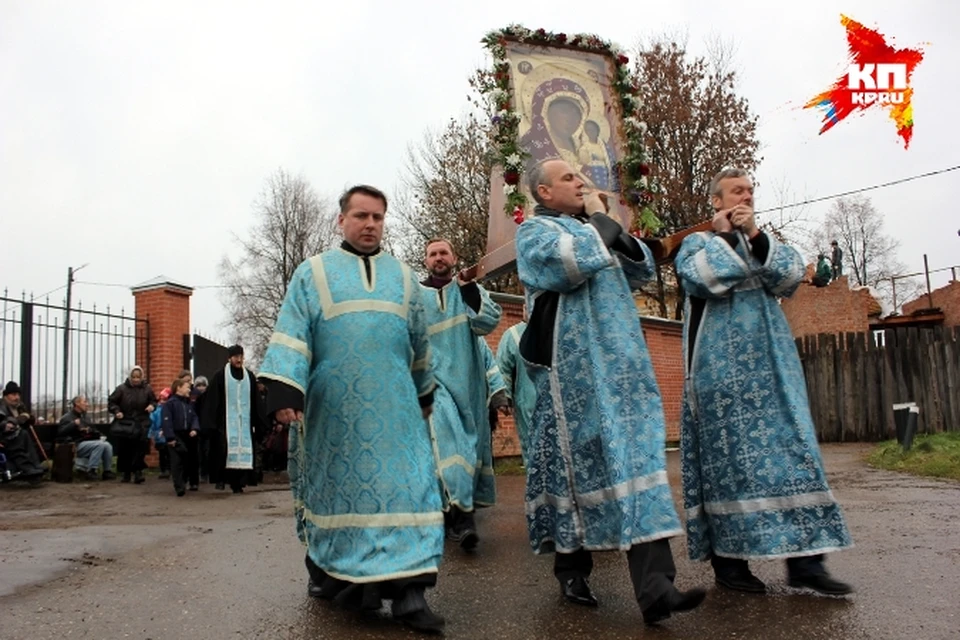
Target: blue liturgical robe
519 385
352 338
753 479
460 422
596 475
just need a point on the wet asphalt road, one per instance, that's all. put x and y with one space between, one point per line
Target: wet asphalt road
219 566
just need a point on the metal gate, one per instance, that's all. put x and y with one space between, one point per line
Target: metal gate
54 353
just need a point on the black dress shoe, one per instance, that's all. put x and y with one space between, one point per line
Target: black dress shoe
741 580
674 602
468 539
821 583
411 609
577 591
138 477
315 590
423 620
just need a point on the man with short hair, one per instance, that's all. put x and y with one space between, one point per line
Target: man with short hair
92 450
597 477
349 369
458 311
836 259
16 443
232 421
753 480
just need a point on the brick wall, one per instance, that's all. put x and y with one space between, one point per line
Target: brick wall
831 309
946 298
664 340
505 440
167 308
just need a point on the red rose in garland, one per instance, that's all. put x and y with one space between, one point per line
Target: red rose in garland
518 214
511 177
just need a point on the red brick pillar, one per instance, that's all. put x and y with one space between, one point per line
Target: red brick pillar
165 306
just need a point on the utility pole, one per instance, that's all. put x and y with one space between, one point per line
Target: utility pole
66 335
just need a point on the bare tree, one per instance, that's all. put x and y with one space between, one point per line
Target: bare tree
445 192
697 124
787 219
869 254
292 224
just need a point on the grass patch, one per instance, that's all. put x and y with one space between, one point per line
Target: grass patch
936 455
512 466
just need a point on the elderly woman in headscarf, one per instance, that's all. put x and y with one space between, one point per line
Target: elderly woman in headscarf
131 404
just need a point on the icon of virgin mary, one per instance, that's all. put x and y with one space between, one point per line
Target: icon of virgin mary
560 127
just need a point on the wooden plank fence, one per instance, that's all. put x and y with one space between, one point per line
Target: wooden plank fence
853 382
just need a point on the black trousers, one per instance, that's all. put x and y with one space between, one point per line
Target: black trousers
803 567
204 455
184 466
21 453
163 453
368 594
130 453
651 566
236 478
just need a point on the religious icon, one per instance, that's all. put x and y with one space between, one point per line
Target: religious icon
566 97
566 109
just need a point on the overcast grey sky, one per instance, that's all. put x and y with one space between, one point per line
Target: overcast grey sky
134 136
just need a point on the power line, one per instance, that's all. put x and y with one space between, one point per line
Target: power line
128 286
43 295
864 189
778 208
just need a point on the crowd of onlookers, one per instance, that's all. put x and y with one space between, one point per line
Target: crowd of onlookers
173 422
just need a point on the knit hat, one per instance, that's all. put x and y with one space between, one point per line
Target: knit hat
12 387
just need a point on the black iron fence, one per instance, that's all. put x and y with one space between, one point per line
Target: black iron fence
55 353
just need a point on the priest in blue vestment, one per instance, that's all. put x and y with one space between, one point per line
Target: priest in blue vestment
753 480
596 474
349 368
519 385
458 311
231 422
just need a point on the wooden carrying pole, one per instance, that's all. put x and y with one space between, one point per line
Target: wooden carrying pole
663 249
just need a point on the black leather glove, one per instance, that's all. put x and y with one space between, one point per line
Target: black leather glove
608 228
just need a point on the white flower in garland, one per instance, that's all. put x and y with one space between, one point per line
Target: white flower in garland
633 121
508 189
513 160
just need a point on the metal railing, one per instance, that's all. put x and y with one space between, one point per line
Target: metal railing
55 353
